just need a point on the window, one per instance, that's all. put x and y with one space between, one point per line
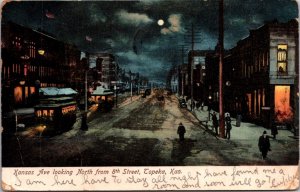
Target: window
283 111
17 42
281 59
3 72
25 70
18 94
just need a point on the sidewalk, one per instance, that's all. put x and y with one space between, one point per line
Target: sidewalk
246 131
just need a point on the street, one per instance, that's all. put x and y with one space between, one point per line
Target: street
140 132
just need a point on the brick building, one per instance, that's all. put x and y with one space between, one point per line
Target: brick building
261 74
32 59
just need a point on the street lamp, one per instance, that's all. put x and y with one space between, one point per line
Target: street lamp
116 95
41 51
130 76
16 120
41 129
22 82
19 145
209 106
84 125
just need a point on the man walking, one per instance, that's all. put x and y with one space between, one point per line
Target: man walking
264 144
228 125
181 131
215 122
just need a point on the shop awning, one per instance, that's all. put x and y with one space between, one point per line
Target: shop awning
54 91
100 91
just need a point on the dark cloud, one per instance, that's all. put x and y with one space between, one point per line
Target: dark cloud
129 28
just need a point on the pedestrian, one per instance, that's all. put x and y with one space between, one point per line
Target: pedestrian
193 105
215 122
84 126
238 120
202 105
228 125
264 144
181 131
197 105
274 130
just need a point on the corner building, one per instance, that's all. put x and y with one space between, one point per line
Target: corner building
262 71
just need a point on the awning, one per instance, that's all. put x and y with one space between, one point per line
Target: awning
54 91
100 91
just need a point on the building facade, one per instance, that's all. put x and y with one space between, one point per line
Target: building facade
197 75
107 69
32 59
183 80
261 74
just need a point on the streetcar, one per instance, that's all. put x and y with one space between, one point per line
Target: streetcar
56 115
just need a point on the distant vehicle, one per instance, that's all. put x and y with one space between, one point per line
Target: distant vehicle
56 114
142 91
182 103
160 98
148 92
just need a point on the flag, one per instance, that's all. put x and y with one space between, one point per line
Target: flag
88 38
50 15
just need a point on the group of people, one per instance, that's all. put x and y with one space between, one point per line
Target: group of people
195 104
227 124
263 142
181 129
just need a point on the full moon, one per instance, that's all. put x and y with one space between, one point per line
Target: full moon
160 22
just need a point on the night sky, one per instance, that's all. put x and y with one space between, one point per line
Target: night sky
129 29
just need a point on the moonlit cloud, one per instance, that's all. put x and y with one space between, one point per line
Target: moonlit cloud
144 64
175 25
96 14
134 19
237 21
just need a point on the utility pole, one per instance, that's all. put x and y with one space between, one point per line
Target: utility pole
192 69
221 52
84 125
130 74
182 79
85 91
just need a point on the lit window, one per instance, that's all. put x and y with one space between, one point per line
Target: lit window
25 70
45 112
282 59
32 90
38 113
18 94
283 111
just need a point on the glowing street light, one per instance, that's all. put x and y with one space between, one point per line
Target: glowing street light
22 82
41 51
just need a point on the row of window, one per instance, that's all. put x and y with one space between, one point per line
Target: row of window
50 112
71 108
44 113
25 69
255 101
282 59
32 49
261 62
17 43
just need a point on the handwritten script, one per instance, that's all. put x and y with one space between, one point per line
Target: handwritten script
153 178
